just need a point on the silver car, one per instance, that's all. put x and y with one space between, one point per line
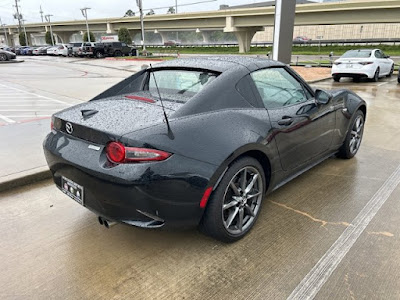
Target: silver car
6 55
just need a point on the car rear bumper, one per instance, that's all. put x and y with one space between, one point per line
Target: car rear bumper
168 191
364 71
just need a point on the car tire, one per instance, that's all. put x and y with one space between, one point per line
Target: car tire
117 53
98 54
336 78
223 223
356 79
354 137
3 57
391 72
376 76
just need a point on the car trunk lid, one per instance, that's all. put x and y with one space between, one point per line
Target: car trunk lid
108 119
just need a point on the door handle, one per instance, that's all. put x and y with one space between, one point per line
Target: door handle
285 121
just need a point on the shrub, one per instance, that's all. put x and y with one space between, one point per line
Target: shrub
124 36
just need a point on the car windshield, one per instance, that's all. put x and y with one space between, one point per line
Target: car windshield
178 85
357 54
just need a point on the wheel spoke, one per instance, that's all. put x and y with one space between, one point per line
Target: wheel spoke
244 179
240 223
354 133
231 217
254 195
249 210
234 188
251 184
230 204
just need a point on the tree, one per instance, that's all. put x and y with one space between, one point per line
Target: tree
85 37
124 36
47 37
22 40
151 12
171 10
129 13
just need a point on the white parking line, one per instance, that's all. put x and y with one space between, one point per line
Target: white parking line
320 273
33 94
8 120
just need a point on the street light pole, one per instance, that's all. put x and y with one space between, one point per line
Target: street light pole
51 30
84 13
140 5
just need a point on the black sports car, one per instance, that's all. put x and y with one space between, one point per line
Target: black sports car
199 142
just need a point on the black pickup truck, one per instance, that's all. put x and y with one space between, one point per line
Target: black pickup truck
112 49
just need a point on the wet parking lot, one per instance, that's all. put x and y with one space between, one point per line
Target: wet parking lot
332 233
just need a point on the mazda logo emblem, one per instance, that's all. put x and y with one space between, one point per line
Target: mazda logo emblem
69 128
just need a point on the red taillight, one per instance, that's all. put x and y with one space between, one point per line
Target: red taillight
205 197
118 153
366 63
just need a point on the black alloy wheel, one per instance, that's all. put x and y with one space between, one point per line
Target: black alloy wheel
376 76
117 53
235 204
354 137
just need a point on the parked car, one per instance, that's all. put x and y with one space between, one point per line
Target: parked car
25 50
36 51
363 63
171 43
61 50
88 49
52 50
302 39
76 49
7 55
398 77
134 157
6 48
112 49
43 50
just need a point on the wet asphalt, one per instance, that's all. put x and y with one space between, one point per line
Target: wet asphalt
52 248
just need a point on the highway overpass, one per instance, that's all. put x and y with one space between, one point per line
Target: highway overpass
244 22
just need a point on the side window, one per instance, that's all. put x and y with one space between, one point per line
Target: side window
378 54
278 88
123 45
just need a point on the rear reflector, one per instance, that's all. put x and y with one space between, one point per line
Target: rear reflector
205 197
140 99
118 153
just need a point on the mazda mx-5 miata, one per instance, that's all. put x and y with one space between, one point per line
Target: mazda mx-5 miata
198 142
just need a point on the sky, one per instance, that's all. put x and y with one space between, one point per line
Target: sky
70 9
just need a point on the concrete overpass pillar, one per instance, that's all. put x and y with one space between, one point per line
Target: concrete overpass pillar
285 12
64 36
206 36
110 28
244 35
164 36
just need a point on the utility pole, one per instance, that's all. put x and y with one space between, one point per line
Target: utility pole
51 30
84 13
41 13
26 37
18 15
5 31
176 11
140 5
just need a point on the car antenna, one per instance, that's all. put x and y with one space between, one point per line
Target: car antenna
170 134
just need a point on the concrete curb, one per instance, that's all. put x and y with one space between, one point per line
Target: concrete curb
12 61
24 178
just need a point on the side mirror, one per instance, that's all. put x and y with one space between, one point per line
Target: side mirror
322 97
387 56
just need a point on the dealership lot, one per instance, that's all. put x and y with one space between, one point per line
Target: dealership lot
53 248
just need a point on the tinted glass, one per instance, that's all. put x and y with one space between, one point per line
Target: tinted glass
179 85
278 88
357 54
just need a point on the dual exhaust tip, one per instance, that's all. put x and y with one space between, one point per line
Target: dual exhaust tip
106 222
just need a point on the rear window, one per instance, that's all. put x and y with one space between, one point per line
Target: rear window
178 85
357 54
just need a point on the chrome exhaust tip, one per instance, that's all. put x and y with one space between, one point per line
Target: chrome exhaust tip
100 219
109 224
